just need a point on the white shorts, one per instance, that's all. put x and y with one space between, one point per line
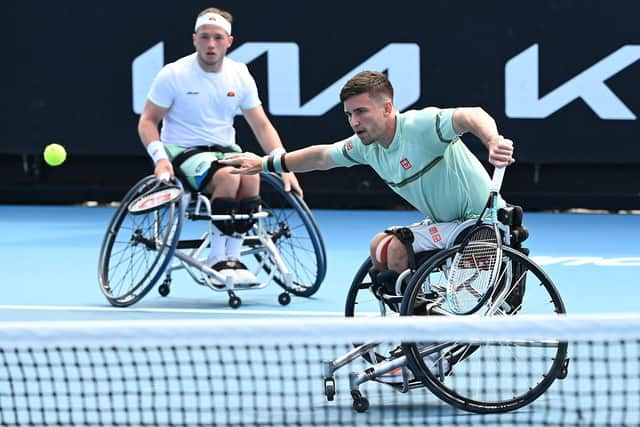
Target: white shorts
436 235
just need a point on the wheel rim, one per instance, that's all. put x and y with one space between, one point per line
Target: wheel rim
131 261
297 237
509 381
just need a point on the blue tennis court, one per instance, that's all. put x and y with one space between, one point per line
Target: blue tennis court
50 253
49 267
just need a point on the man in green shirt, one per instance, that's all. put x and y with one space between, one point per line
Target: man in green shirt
419 155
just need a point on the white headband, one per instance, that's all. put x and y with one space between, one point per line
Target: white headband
213 19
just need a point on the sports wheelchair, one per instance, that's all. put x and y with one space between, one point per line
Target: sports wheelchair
144 241
444 368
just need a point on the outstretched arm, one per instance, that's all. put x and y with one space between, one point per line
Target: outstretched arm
316 157
269 140
482 125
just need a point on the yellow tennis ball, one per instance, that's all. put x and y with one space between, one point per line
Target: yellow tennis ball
55 154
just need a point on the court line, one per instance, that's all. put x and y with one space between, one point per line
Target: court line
170 310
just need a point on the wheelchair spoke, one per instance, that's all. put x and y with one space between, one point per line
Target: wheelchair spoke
476 381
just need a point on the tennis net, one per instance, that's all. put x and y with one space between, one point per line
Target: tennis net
283 371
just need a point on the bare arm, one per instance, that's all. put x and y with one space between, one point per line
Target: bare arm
148 132
316 157
312 158
482 125
269 140
262 128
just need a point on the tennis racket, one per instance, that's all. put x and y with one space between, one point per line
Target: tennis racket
162 193
476 266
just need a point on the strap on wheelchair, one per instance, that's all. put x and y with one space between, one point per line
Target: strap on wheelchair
229 206
192 151
405 235
386 279
248 206
225 206
384 287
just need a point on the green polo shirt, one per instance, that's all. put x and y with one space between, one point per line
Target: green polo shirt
426 163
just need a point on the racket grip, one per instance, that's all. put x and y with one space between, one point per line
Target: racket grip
164 176
496 181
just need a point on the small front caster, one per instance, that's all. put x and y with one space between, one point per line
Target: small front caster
284 298
360 403
329 388
235 301
164 289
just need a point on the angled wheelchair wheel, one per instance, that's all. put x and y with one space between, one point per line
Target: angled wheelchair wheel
295 233
363 300
492 377
137 247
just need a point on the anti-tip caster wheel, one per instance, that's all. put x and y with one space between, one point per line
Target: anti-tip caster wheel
163 290
235 301
360 403
329 388
284 298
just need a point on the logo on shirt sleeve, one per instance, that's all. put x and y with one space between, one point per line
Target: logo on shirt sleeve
349 145
405 163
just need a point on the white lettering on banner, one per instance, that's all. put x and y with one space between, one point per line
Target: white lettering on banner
522 92
400 60
576 261
143 70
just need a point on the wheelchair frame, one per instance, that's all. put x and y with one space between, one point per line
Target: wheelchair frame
158 233
424 297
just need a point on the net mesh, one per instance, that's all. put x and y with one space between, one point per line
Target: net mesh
242 372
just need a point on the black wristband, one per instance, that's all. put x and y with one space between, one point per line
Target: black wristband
283 164
270 166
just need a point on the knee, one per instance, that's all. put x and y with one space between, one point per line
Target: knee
224 183
388 252
397 258
249 186
250 179
377 248
374 242
223 176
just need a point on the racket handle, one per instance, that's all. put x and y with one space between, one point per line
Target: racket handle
164 176
496 181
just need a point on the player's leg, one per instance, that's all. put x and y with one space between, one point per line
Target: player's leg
247 201
395 248
223 188
378 249
199 168
227 236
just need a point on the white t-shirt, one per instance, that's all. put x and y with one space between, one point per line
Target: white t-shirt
202 105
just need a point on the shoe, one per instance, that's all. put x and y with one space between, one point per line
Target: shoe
242 276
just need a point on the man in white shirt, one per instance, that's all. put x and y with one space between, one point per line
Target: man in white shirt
196 99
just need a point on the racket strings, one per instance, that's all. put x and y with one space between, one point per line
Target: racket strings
160 195
473 271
